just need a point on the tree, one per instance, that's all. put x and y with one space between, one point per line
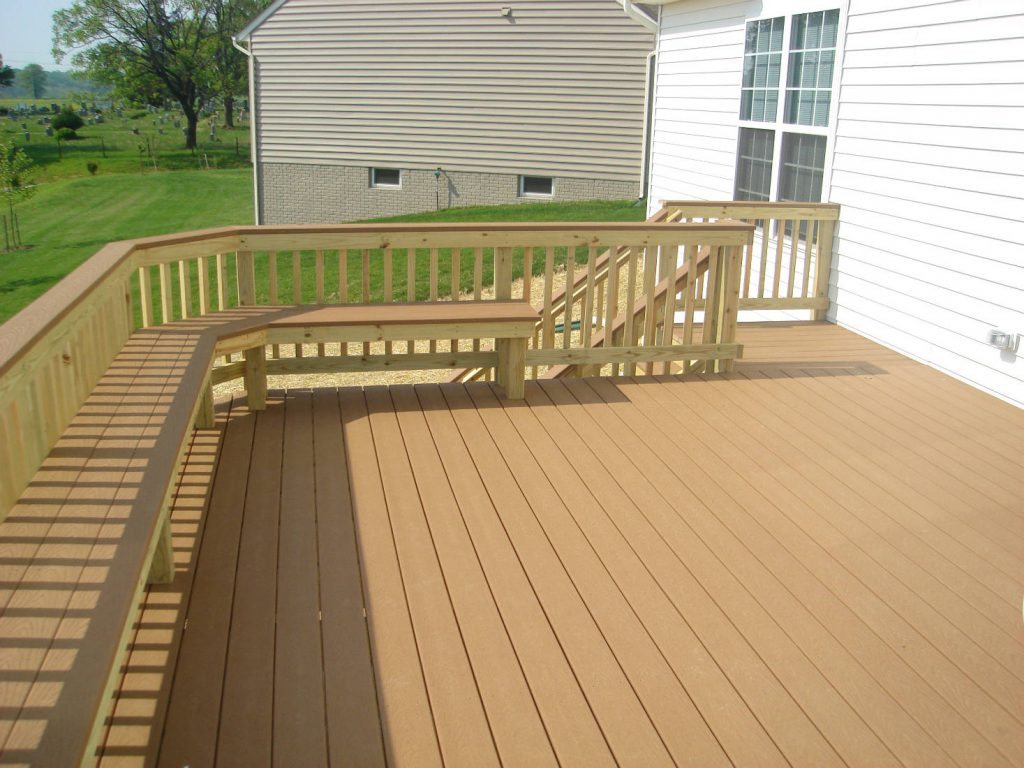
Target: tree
231 65
33 79
6 77
15 185
168 41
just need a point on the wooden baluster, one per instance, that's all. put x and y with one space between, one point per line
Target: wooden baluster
763 273
222 283
273 294
780 244
587 314
297 289
612 310
689 299
389 288
321 293
570 281
748 258
478 283
628 334
809 243
528 274
410 289
669 262
166 294
433 288
650 290
203 275
365 265
599 306
549 280
343 291
456 284
794 243
185 288
146 297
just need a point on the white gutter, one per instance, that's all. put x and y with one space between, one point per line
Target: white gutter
639 16
253 148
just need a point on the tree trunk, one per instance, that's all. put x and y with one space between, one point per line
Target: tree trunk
229 112
191 123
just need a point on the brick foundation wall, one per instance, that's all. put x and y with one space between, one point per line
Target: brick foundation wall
328 194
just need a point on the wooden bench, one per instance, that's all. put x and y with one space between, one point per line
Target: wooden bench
93 527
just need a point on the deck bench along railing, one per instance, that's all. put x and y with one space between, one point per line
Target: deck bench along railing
53 353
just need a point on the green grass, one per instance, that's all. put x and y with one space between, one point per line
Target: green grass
114 147
66 222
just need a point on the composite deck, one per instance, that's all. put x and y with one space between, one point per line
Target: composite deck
816 560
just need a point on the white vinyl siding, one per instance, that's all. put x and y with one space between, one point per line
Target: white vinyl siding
556 90
929 169
928 165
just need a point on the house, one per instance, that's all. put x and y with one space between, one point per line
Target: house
365 108
908 114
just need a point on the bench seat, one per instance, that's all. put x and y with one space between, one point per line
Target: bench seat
92 527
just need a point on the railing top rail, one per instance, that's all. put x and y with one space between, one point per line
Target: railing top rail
815 211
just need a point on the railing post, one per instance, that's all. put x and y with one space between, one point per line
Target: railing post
503 274
732 266
246 274
823 268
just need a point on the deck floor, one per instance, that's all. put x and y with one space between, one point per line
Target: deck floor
817 560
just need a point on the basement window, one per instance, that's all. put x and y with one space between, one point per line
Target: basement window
536 186
386 177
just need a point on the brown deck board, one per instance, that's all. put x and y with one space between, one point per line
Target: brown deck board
247 702
815 560
299 724
351 709
872 627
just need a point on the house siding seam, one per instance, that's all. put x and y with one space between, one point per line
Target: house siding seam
326 194
927 166
556 89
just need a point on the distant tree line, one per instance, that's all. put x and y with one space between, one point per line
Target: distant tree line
34 82
154 51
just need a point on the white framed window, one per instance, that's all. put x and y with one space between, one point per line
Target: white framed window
389 178
536 186
786 112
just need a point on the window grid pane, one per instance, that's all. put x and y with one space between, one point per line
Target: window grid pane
754 164
812 54
762 68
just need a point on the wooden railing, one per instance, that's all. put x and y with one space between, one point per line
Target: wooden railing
787 264
54 352
786 270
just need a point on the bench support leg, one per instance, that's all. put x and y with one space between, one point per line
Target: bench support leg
511 371
161 570
205 417
256 378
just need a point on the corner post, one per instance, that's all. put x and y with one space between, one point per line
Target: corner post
256 358
503 274
732 266
823 268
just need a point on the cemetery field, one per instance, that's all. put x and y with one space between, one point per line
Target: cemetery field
136 141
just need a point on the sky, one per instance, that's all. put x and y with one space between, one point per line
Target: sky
26 32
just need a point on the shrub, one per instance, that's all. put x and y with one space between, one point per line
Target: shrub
66 134
137 115
67 119
92 168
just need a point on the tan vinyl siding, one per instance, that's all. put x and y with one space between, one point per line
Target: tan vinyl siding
558 90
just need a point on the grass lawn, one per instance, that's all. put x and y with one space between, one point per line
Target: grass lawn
68 221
